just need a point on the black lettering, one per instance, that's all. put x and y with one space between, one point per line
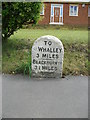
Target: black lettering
55 68
44 49
52 68
53 55
45 42
40 49
54 50
57 50
57 56
49 56
35 67
39 67
49 43
33 61
37 55
56 63
60 50
43 55
48 49
44 68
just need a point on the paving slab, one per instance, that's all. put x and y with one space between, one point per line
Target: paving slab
44 98
0 96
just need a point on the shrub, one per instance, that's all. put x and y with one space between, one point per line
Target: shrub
15 14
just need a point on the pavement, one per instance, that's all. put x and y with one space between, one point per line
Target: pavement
0 96
24 97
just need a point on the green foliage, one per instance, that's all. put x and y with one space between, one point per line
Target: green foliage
25 67
16 52
15 14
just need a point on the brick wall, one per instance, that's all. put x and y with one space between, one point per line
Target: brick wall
81 19
47 11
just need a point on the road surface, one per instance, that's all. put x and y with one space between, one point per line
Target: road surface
43 98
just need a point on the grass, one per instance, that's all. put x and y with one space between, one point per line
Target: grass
16 50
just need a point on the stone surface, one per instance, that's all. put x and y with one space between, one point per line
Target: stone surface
47 57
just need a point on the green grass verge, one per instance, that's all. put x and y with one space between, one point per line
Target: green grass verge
16 50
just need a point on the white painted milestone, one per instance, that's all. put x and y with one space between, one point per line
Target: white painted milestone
47 57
